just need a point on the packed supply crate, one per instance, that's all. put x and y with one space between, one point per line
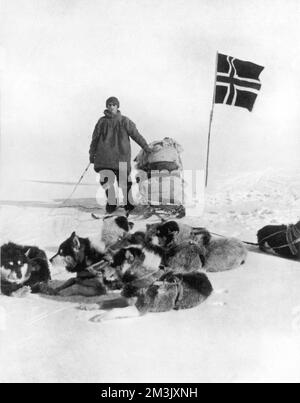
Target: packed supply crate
160 175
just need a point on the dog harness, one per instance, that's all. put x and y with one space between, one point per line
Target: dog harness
293 238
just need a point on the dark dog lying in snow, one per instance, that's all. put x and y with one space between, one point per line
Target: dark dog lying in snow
78 254
284 240
23 269
171 291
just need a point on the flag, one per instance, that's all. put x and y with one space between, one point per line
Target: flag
237 82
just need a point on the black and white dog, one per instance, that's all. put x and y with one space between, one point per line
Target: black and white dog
139 266
173 232
284 240
183 247
23 269
77 254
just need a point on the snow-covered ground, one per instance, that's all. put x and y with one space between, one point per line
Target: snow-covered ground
250 332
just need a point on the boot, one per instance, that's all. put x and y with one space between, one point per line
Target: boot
129 208
110 208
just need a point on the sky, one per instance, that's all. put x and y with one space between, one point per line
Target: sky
61 59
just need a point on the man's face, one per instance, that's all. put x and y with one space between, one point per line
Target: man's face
113 108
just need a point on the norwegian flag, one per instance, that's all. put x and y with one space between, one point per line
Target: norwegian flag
237 82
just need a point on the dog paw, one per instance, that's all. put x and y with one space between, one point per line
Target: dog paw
22 292
45 288
88 307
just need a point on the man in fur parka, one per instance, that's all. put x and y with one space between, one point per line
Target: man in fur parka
110 152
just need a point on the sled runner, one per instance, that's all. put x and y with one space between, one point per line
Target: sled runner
146 212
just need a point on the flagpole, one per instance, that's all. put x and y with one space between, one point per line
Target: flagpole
210 123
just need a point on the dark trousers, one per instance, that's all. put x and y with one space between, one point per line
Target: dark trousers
107 180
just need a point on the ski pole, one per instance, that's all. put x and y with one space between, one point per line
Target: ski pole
76 186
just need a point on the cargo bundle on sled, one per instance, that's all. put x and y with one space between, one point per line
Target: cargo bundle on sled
160 178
